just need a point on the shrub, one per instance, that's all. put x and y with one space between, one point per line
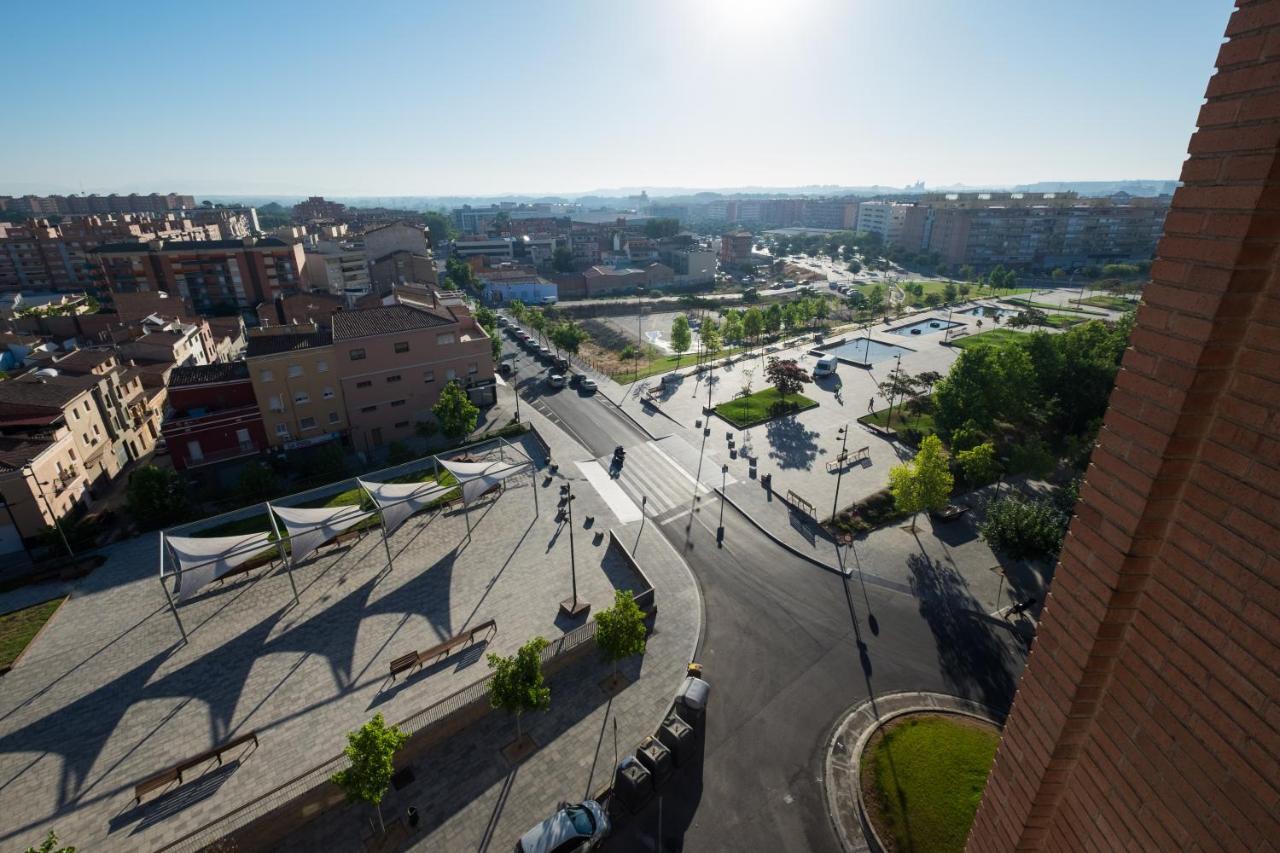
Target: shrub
978 465
1023 529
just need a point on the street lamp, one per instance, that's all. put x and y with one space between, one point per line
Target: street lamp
893 387
724 479
515 383
40 488
843 432
571 607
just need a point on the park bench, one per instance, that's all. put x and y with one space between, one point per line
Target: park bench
848 458
416 659
174 773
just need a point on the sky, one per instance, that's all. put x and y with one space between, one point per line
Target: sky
475 98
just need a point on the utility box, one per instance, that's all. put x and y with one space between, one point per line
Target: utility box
691 700
632 785
678 737
656 758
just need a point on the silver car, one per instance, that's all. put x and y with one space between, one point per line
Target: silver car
572 829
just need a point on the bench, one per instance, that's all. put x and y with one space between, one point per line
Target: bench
848 458
174 773
416 659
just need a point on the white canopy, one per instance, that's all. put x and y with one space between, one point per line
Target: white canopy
311 528
201 560
478 477
398 501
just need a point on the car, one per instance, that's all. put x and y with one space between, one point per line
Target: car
544 353
556 380
560 362
589 385
577 827
575 379
502 321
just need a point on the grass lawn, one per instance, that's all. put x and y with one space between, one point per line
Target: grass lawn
923 779
996 337
903 419
665 364
758 407
1115 303
18 628
929 287
1049 306
1065 321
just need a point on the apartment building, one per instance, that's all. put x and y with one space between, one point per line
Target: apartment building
41 481
45 400
132 419
736 248
212 275
294 373
340 269
316 208
212 415
304 308
394 360
84 204
885 218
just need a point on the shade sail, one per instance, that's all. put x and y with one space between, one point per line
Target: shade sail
310 528
204 559
398 501
478 477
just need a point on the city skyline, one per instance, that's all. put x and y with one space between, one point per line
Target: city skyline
559 100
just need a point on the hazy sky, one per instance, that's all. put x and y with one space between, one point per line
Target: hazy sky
390 98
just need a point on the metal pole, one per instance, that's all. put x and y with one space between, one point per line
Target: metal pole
48 506
383 516
287 560
844 443
897 378
172 605
573 565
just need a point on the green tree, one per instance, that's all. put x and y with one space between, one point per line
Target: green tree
517 684
731 329
854 267
710 336
458 275
1058 274
439 228
1023 529
985 384
568 336
967 272
932 299
371 750
538 322
455 412
562 259
978 464
752 324
875 298
620 630
258 482
950 292
50 845
1033 458
925 482
660 227
156 497
773 318
681 337
897 385
965 290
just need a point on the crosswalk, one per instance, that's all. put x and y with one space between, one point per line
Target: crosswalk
660 475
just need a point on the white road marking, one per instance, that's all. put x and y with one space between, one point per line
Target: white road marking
619 504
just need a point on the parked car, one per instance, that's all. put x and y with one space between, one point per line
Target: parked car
560 362
556 380
589 385
577 827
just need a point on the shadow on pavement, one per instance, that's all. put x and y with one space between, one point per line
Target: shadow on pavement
792 444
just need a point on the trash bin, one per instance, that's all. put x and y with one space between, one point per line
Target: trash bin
677 736
632 785
691 700
656 758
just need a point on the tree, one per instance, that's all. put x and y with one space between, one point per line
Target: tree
927 379
965 290
978 464
620 630
752 324
562 259
455 412
710 336
50 845
923 483
258 482
932 299
1023 529
786 376
896 385
371 750
459 275
659 227
568 336
517 684
967 273
439 227
538 322
156 497
1033 458
950 292
875 298
1029 317
1058 274
731 328
773 318
854 267
681 337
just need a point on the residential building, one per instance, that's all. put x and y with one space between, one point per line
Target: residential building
316 208
82 204
301 308
228 335
1146 717
341 269
213 415
736 248
211 275
295 375
838 214
42 401
169 340
394 360
690 261
500 286
886 218
400 267
42 481
133 423
397 237
599 280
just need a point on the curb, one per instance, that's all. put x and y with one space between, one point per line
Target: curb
862 838
785 546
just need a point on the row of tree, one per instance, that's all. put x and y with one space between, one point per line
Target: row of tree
750 326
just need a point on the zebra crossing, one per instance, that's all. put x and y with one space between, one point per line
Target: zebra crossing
660 475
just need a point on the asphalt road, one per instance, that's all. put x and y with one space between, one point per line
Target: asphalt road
783 650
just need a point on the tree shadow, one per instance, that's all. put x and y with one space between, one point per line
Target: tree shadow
973 654
792 445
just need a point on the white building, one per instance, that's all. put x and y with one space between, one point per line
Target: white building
341 269
885 218
396 237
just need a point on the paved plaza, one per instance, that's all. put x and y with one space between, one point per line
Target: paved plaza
108 694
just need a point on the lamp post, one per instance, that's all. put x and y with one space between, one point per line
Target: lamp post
724 479
571 607
946 333
40 488
843 432
515 383
893 390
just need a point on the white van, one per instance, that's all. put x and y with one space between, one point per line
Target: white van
826 366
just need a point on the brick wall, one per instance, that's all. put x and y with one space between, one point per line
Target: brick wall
1147 715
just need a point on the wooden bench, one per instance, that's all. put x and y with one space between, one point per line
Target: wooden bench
174 773
848 458
416 659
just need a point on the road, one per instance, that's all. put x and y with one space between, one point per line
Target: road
787 648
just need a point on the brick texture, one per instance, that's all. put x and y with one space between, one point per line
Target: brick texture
1147 717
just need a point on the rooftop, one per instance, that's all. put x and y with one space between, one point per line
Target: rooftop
365 322
31 389
84 360
204 374
272 344
16 450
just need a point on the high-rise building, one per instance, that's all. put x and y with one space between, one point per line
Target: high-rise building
1147 715
83 204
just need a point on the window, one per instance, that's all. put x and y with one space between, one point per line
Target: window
333 417
397 403
357 355
472 368
301 397
429 376
295 370
402 346
266 376
307 423
367 383
402 425
75 415
96 431
243 439
276 404
322 367
194 453
450 375
368 409
282 430
444 340
327 393
395 377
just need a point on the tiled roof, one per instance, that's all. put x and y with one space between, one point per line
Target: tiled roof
202 374
365 322
16 451
84 360
52 391
271 344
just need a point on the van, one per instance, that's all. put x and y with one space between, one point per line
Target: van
826 366
548 300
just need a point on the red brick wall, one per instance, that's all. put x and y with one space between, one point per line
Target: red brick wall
1147 715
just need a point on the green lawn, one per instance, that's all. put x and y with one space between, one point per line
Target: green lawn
1115 303
996 337
903 419
18 628
1050 306
665 364
758 407
924 779
1065 321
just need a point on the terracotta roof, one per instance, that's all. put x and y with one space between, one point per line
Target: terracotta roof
388 319
285 342
84 360
52 391
16 451
202 374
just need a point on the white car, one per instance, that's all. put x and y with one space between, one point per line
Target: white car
556 380
573 828
589 384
